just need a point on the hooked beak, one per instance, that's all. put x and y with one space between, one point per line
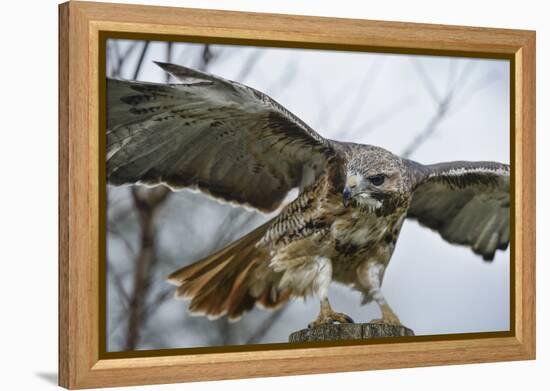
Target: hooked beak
346 195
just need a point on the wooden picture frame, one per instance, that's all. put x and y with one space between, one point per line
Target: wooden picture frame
83 28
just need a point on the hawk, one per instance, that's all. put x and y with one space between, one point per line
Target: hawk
239 146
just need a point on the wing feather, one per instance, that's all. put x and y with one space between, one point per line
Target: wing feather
221 137
468 203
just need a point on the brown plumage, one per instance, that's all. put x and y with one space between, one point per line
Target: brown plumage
232 280
240 146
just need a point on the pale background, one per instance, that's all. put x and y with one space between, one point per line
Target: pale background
29 287
380 99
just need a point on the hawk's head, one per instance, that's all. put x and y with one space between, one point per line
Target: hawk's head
375 179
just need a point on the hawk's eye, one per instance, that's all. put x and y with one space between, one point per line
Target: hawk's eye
377 180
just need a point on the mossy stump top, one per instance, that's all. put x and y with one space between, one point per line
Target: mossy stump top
347 331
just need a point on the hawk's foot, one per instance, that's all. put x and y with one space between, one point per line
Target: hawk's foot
391 320
330 318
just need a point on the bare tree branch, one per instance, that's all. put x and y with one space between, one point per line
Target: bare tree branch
124 298
443 105
168 59
451 75
266 325
158 301
290 71
427 81
112 228
147 202
362 93
327 107
249 64
375 122
206 57
483 83
184 53
140 60
122 57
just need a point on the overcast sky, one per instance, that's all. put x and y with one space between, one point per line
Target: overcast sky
385 100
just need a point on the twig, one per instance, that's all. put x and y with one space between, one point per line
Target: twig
363 90
480 86
125 299
428 83
289 74
183 55
140 60
168 59
121 58
266 326
206 57
158 301
248 65
113 229
379 119
443 106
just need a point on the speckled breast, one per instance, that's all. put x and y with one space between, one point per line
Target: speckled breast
358 237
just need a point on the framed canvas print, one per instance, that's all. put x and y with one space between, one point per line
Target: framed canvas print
298 194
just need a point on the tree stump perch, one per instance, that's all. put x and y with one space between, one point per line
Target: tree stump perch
348 331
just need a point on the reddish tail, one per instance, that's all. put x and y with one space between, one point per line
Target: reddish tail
230 281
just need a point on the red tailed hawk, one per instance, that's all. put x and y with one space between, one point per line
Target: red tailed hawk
239 146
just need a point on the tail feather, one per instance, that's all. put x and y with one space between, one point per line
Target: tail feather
231 281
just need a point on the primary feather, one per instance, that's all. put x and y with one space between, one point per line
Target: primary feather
221 137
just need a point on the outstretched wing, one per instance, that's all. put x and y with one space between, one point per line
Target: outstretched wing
211 134
468 203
